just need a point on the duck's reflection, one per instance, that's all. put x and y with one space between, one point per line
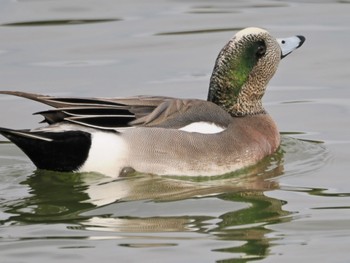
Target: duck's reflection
227 208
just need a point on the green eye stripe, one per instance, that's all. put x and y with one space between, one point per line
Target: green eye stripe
239 68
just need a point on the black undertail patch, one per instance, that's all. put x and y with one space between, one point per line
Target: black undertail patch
58 151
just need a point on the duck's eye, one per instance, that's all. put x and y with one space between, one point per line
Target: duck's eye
261 50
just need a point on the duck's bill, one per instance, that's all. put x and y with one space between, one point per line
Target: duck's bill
289 44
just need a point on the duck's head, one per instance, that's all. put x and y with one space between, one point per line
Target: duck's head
244 67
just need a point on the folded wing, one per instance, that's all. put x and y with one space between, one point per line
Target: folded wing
120 113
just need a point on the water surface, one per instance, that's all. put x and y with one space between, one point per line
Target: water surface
292 206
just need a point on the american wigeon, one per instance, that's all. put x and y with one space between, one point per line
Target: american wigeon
167 136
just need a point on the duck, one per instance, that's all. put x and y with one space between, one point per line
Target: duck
227 132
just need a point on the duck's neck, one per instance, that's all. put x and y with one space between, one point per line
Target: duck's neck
235 84
236 94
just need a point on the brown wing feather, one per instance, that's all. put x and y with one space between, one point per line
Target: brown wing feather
93 112
114 113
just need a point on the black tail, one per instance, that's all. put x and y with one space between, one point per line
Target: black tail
59 151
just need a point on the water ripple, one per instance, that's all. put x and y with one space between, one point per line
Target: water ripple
76 63
61 22
302 156
199 31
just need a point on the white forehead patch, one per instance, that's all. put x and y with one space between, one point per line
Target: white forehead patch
249 31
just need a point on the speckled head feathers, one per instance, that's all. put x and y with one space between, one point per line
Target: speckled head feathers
243 69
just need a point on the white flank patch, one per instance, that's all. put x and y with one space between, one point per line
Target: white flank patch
107 155
202 127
